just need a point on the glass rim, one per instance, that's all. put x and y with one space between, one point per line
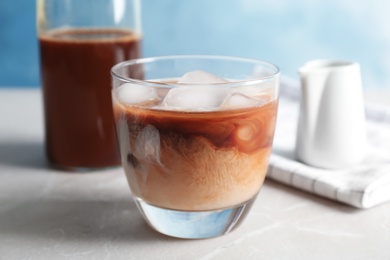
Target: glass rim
256 80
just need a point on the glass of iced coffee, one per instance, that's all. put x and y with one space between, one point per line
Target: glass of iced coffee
79 43
195 134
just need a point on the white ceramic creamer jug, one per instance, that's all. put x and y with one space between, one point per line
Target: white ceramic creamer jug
331 126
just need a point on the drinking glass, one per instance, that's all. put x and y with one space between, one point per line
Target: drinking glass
79 43
195 148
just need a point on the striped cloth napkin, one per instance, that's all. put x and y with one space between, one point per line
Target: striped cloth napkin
362 186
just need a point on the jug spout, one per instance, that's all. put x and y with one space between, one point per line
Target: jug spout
315 74
325 67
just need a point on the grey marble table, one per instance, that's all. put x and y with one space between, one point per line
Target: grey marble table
50 214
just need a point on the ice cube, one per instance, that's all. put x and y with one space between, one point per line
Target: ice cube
197 94
133 94
147 144
200 77
194 98
243 97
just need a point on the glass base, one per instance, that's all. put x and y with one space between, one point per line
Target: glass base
194 224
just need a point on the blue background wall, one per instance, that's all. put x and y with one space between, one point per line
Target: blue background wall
285 32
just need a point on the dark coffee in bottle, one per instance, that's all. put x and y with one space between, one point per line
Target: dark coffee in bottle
76 82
